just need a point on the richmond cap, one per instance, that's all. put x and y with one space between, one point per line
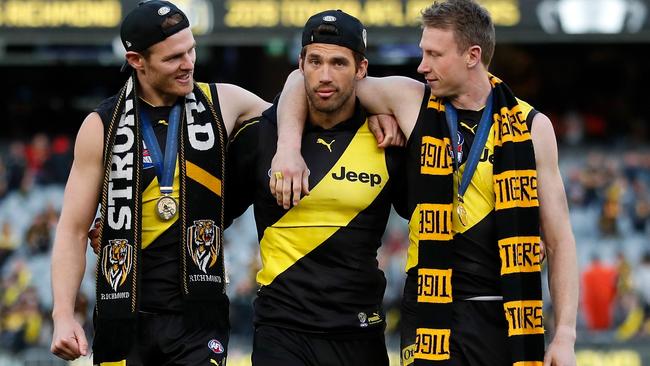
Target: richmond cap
143 26
347 31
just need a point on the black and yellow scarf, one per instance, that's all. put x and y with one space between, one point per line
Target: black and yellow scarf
517 230
201 214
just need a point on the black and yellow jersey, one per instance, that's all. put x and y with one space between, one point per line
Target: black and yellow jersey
319 268
476 262
160 276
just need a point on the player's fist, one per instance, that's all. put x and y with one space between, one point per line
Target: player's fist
68 340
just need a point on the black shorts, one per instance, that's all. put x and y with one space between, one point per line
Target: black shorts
479 335
165 340
273 346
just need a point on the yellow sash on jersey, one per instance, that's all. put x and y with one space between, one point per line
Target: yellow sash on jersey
304 227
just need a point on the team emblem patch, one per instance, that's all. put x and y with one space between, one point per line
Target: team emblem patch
203 241
216 346
117 261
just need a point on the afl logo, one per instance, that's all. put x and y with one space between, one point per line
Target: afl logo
215 346
164 10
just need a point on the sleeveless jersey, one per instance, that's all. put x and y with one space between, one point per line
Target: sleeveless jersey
320 272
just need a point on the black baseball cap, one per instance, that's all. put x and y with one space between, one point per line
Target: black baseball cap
347 32
143 26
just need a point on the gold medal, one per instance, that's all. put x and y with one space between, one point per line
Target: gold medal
166 208
462 214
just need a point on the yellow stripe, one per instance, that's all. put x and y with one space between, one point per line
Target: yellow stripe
428 222
524 317
494 80
516 188
434 286
528 363
243 127
511 124
331 205
434 156
118 363
432 344
152 225
414 239
436 103
520 254
201 176
206 90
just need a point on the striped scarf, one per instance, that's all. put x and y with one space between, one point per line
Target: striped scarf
517 230
201 157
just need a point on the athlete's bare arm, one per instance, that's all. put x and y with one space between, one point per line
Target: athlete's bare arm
238 105
69 252
394 95
559 242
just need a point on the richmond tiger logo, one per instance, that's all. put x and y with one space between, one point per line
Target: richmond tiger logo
117 261
203 242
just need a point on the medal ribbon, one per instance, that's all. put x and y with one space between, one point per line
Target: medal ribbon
477 146
164 165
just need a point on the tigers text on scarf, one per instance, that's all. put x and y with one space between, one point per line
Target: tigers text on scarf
201 156
517 231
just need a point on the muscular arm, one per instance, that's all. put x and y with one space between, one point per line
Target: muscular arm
69 252
559 241
394 95
239 105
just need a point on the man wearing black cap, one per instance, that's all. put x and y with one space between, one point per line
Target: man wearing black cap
153 156
321 290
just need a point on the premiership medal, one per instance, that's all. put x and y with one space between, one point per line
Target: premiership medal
480 138
462 214
166 208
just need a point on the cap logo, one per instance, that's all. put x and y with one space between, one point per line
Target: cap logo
164 10
364 34
329 18
128 44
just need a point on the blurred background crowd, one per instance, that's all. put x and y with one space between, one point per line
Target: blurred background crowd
594 91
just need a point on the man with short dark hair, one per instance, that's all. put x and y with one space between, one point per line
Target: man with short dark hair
482 178
154 157
321 291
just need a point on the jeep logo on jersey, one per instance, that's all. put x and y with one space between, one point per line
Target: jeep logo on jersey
363 177
216 346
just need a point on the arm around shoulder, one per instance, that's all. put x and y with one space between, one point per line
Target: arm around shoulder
239 105
396 95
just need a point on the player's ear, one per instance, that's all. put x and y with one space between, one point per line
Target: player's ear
362 69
